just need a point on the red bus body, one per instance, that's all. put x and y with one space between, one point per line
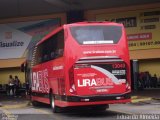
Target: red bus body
89 71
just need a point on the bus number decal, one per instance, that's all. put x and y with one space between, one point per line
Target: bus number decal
118 65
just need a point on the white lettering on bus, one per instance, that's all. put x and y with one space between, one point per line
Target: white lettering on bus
58 67
40 81
34 81
94 82
100 52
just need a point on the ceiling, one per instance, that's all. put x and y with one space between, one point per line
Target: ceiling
19 8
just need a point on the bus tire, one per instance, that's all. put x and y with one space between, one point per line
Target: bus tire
35 103
100 107
55 108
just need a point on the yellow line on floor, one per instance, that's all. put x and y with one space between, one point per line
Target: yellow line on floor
42 111
15 106
134 97
140 100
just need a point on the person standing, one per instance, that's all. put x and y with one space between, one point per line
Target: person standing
10 85
155 79
17 85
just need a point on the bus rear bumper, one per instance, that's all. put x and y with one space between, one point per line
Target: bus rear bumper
64 101
67 104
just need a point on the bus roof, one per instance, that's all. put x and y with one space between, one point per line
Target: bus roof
95 22
71 24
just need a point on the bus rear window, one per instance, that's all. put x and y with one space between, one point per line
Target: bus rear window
96 34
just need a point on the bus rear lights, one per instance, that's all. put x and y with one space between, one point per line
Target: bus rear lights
71 82
119 98
128 87
72 89
85 100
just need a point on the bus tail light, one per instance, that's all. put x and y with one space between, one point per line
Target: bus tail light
71 81
128 87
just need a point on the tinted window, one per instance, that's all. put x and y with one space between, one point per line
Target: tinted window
96 34
50 49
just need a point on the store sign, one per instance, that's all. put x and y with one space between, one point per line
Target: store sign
142 27
16 38
127 22
12 42
141 36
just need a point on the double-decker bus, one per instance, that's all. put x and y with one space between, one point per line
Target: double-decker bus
81 64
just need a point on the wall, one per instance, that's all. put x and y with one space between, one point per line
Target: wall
145 54
8 63
5 72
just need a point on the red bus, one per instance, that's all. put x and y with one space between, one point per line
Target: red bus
81 64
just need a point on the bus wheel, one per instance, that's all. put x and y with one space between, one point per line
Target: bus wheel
55 108
35 103
100 107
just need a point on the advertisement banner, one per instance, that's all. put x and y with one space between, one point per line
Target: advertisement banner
142 27
17 38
